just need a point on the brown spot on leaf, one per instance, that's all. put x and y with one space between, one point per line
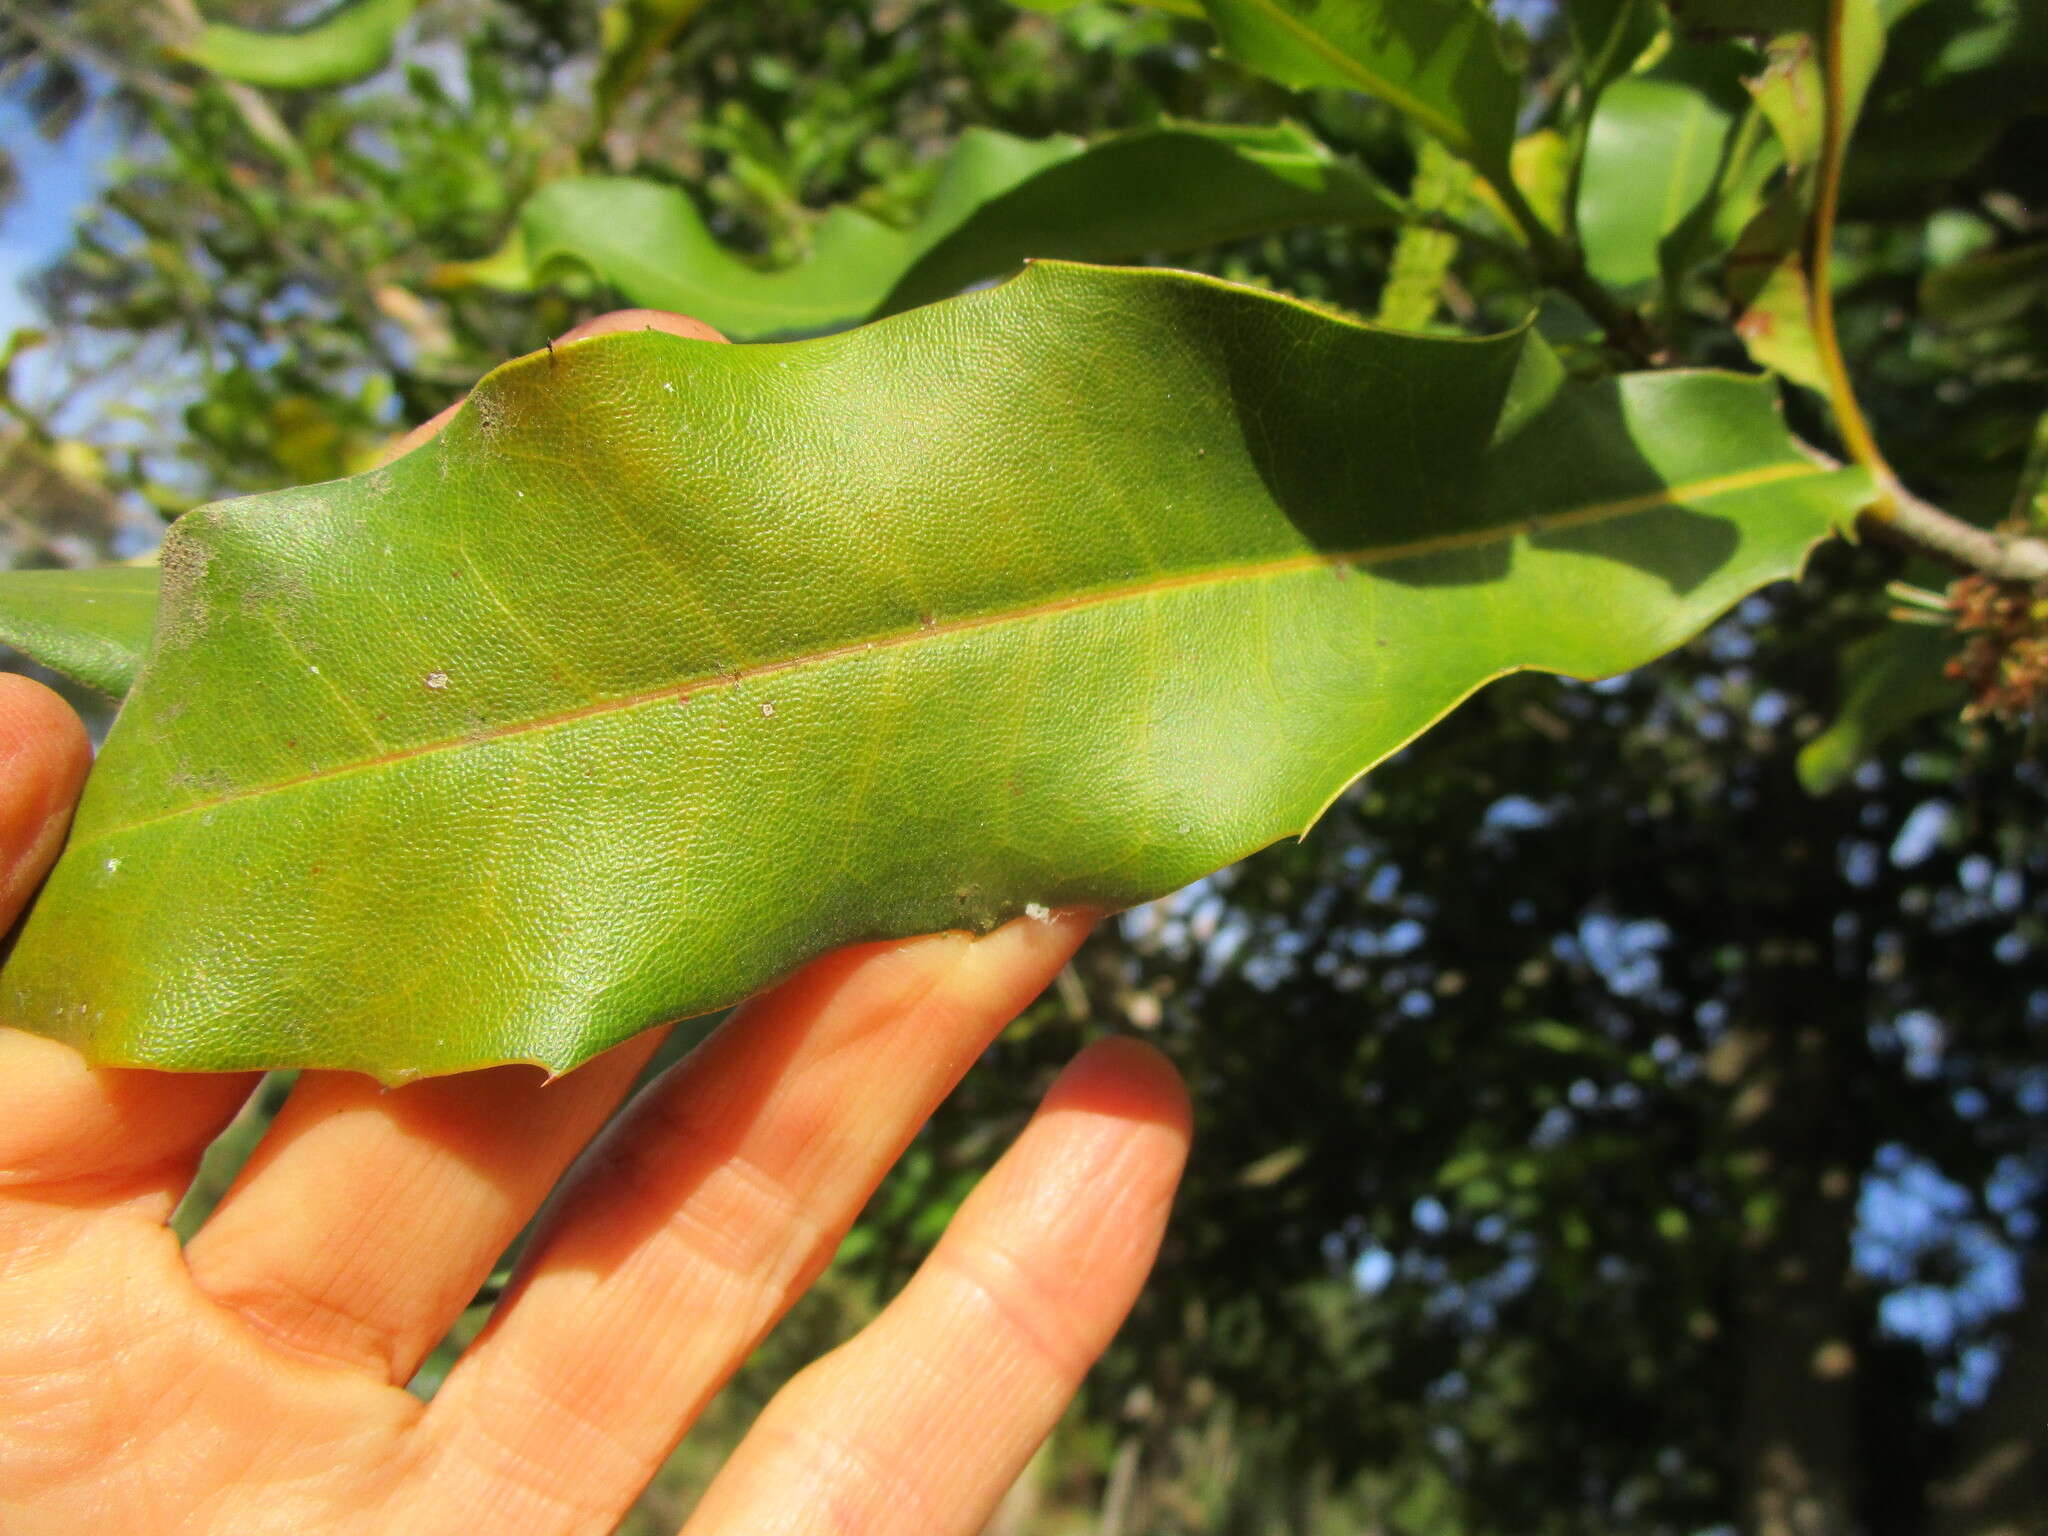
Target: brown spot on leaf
184 561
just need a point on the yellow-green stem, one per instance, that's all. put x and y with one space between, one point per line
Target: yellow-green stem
1557 263
1849 419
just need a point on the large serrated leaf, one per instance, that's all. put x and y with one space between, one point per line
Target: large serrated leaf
668 665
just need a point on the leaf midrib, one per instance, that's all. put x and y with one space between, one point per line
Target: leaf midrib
685 688
1372 84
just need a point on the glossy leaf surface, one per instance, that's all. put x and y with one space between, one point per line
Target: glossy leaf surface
1655 150
1439 61
668 665
345 44
998 201
93 626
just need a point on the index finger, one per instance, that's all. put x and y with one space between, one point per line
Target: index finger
60 1119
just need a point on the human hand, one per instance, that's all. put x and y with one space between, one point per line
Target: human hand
255 1380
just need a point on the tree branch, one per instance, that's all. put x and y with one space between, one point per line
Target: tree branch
1897 514
1565 269
1924 528
1820 256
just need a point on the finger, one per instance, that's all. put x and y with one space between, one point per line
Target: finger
367 1218
708 1208
923 1421
601 325
639 320
412 437
71 1135
43 758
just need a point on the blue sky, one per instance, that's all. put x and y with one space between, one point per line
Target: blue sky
57 179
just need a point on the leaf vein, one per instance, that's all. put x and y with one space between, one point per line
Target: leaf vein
1670 497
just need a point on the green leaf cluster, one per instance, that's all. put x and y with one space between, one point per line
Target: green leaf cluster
997 200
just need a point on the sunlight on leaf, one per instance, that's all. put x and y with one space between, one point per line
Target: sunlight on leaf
999 200
669 665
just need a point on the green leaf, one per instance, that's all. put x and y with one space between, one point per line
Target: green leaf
1055 7
1753 163
1607 36
1957 73
634 33
1154 191
1767 272
1986 287
1890 680
2030 493
1655 151
670 665
1543 168
1565 1039
1767 279
1438 61
1790 90
1755 18
1422 255
346 44
999 201
92 626
506 269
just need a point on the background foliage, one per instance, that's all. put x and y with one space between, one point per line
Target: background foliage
1600 1130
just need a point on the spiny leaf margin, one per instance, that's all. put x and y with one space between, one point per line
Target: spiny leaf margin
1227 552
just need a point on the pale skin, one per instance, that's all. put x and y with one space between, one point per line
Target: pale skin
254 1381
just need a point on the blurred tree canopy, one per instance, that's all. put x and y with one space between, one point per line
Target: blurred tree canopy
1628 1111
